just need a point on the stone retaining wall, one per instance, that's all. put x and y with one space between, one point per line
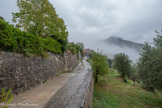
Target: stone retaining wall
88 97
22 73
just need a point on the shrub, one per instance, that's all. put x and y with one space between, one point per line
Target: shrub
6 97
29 44
122 64
134 74
99 65
74 48
71 47
61 40
150 64
14 40
51 45
7 38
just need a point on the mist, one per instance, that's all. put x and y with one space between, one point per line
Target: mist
111 50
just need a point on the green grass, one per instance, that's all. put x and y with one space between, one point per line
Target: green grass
112 92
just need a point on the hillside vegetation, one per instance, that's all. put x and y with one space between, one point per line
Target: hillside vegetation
112 92
132 85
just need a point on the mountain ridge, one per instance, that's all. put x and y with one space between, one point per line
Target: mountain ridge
118 41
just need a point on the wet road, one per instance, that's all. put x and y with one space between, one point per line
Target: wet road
72 94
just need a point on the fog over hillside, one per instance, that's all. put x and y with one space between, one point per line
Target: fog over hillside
118 41
114 45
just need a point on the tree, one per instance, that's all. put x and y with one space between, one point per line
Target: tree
72 48
110 62
75 48
122 64
150 64
1 18
99 65
134 75
81 49
39 18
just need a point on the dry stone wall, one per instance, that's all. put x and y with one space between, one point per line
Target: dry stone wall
22 73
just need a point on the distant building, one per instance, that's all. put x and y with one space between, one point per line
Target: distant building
87 52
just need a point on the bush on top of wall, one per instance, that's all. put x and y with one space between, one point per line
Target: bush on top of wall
14 40
51 45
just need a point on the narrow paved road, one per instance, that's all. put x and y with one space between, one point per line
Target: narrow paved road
63 91
72 93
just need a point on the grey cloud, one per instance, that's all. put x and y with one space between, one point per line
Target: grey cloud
6 8
89 21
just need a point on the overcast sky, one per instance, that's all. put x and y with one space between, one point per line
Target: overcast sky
95 20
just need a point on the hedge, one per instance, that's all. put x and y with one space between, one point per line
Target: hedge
14 40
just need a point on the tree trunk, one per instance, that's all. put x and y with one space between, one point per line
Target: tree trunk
96 79
134 81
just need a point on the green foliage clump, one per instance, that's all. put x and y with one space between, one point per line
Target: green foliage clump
60 40
123 64
150 64
29 44
6 98
71 47
7 40
44 81
74 48
134 74
81 49
99 65
14 40
51 45
39 17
